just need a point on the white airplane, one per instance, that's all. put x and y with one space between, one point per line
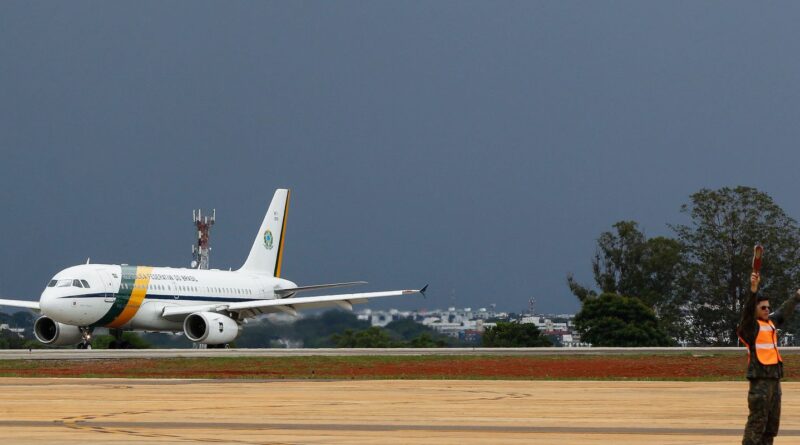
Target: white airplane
209 306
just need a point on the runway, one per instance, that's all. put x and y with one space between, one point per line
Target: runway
67 411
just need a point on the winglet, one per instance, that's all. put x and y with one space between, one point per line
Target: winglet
422 291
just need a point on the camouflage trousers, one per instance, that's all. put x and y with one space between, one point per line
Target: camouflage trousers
764 401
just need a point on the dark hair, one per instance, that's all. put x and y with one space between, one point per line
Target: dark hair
761 298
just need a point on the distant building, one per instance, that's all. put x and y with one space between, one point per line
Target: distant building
468 324
19 331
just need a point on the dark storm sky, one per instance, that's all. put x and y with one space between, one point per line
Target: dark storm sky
478 146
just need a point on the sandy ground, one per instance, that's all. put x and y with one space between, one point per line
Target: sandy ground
71 411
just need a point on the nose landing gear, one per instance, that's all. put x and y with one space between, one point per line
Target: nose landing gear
86 333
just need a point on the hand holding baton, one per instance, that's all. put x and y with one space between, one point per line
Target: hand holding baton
755 277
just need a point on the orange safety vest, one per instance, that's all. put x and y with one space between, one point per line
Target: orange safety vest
766 344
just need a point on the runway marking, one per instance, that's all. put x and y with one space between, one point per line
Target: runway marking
102 425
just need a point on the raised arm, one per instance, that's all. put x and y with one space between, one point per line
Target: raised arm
786 311
746 329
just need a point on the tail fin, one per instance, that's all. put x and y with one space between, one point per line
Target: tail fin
267 251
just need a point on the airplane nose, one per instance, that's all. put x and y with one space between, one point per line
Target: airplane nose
47 302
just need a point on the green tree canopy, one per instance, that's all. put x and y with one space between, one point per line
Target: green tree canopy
628 263
316 331
514 335
22 319
373 337
725 225
132 339
427 340
614 320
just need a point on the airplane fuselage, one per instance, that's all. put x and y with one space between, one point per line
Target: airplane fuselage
134 297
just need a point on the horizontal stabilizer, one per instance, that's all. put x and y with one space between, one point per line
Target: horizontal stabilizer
288 291
21 303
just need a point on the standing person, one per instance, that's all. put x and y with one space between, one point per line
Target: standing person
757 331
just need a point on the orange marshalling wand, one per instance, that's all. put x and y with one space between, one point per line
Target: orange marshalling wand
758 252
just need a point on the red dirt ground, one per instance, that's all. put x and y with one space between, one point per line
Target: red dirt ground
661 367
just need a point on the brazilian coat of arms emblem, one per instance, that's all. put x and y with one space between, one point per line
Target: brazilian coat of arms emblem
268 239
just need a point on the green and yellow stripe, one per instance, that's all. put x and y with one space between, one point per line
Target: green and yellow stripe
283 236
129 298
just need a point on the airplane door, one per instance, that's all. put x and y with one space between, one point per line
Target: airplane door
109 285
173 286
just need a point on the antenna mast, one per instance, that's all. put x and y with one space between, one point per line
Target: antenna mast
201 250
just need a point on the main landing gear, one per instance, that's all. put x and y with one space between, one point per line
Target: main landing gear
86 333
118 342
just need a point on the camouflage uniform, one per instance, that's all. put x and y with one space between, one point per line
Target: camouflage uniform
764 397
764 401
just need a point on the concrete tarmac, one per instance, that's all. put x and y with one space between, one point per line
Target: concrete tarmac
72 411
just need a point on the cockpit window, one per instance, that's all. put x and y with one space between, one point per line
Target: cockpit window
52 283
64 283
85 283
77 283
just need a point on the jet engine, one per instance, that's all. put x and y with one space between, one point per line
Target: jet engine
51 332
211 328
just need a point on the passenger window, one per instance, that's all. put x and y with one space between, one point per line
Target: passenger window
85 284
52 283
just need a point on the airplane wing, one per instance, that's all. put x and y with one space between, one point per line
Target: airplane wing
287 305
291 290
21 303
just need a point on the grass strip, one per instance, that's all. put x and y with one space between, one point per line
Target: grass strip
707 367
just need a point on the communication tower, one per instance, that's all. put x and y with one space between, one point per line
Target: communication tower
201 250
532 306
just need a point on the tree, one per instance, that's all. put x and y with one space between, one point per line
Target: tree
514 335
22 319
614 320
417 335
426 340
407 328
133 340
316 331
718 243
373 337
628 263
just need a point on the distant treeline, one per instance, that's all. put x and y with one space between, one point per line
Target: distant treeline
689 288
331 329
